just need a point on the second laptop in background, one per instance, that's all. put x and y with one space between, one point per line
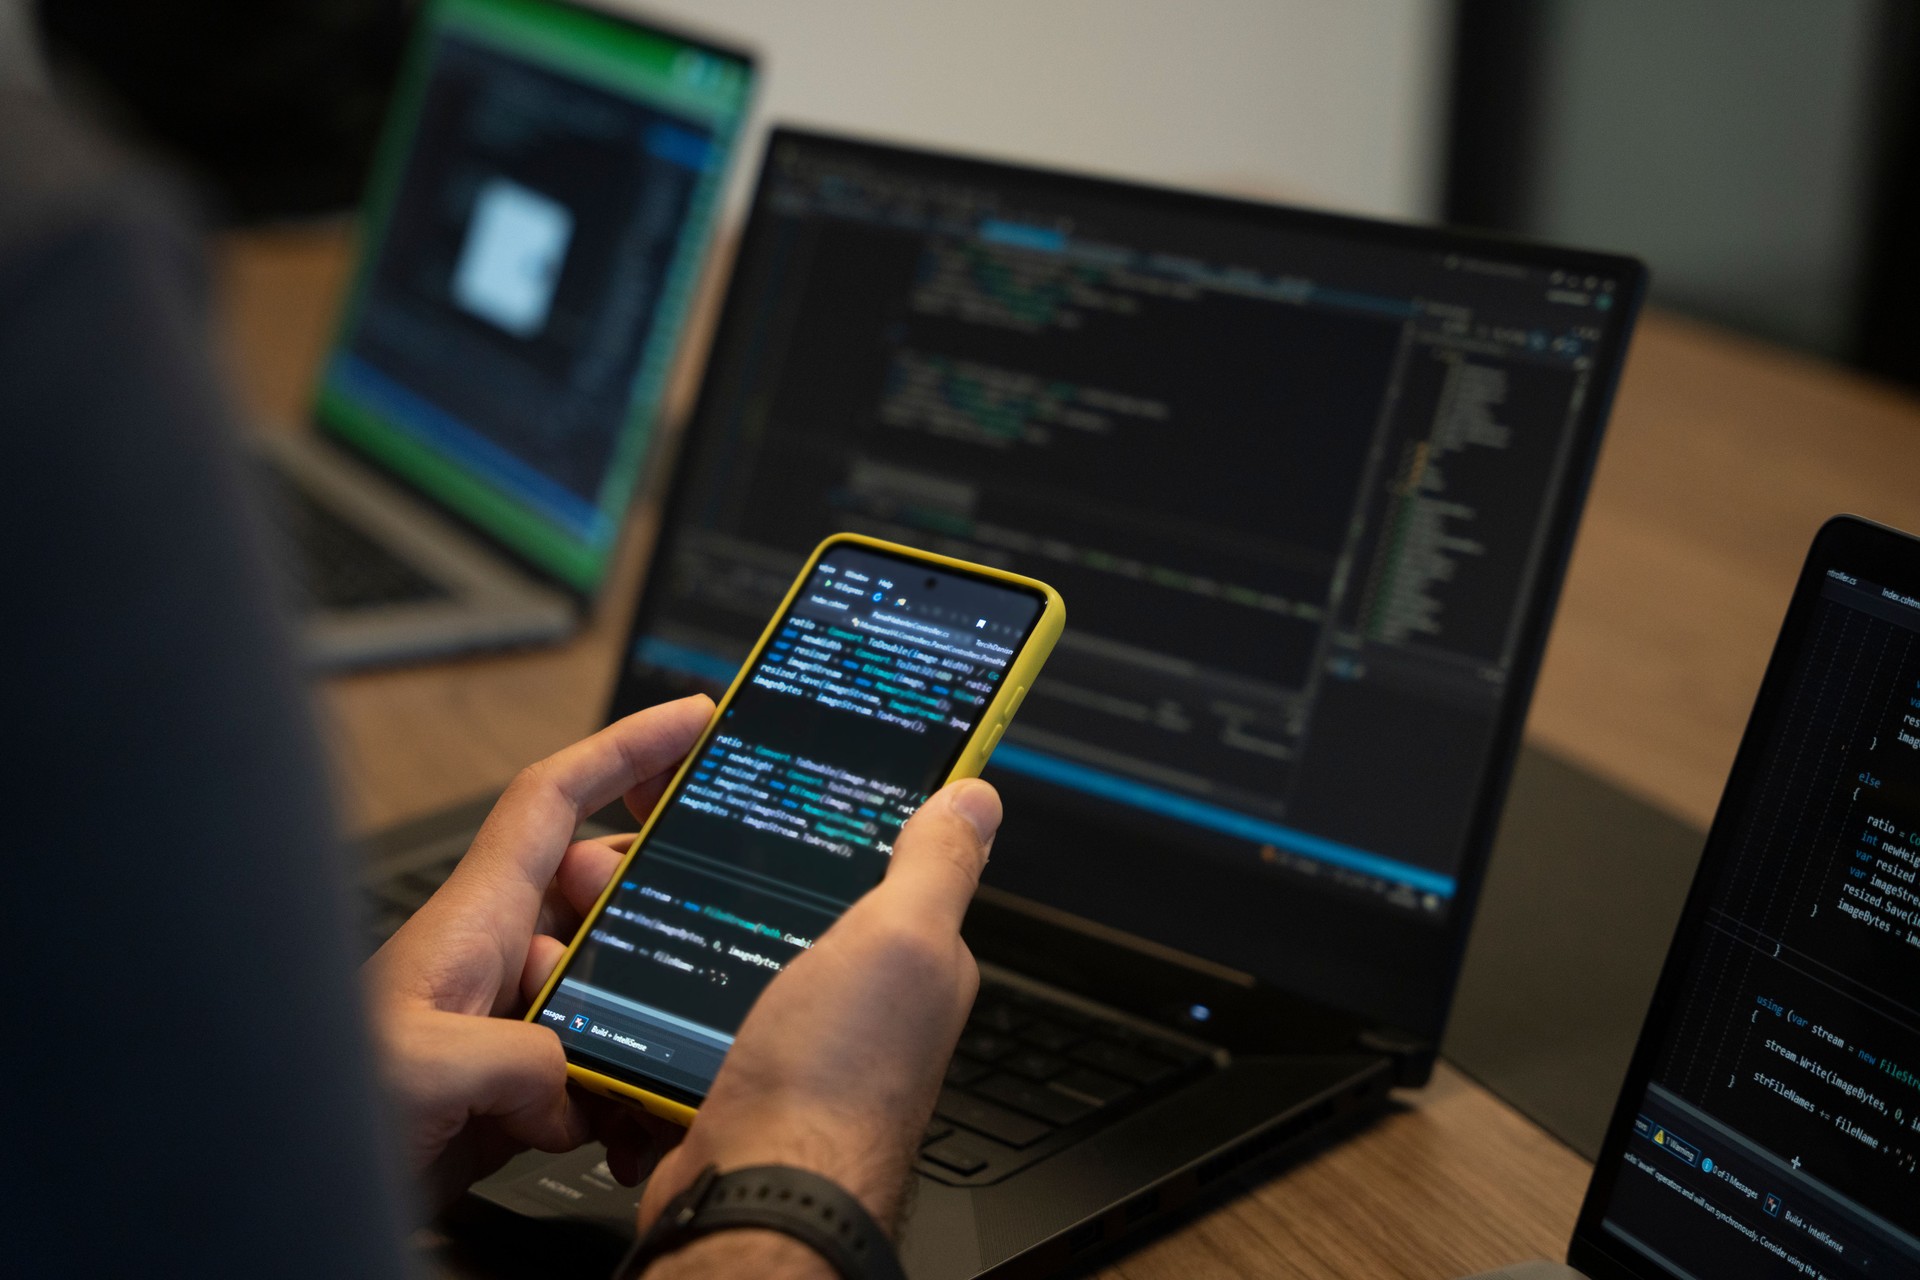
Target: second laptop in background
531 242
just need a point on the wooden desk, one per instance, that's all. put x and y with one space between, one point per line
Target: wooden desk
1723 457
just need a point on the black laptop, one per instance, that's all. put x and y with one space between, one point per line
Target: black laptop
1309 483
1769 1126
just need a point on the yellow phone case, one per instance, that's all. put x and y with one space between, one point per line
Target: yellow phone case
973 758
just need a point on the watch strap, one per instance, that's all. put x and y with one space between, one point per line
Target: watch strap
803 1205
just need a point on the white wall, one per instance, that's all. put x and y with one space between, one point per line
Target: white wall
1332 102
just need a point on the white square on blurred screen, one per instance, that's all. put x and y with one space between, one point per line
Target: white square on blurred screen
516 243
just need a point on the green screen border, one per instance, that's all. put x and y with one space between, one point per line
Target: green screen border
528 532
603 49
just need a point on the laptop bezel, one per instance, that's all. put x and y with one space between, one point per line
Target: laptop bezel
1414 1045
1885 555
387 166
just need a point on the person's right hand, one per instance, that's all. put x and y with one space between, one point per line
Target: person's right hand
837 1066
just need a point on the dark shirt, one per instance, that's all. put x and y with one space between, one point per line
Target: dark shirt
185 1072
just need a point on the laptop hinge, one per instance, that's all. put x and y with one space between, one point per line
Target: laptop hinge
1412 1057
1192 996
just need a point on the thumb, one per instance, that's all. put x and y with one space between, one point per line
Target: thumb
940 853
513 1072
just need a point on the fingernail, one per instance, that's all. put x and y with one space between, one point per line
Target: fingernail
979 804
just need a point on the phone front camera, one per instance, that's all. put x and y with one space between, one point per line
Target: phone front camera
932 583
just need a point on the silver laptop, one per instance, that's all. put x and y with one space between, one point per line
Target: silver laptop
533 235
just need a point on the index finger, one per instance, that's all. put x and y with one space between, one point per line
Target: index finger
940 853
523 839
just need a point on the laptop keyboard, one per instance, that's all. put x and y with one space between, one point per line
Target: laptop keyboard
340 567
1029 1077
1032 1075
392 898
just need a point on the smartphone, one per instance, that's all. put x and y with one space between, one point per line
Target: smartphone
886 673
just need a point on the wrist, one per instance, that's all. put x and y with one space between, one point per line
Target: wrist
765 1255
805 1207
872 1168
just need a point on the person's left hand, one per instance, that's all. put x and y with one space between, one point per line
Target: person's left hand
476 1084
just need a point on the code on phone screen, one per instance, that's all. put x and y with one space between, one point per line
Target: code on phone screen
862 702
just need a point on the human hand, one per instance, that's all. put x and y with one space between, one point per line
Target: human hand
837 1065
475 1084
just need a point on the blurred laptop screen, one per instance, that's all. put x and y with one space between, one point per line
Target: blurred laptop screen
1302 481
533 235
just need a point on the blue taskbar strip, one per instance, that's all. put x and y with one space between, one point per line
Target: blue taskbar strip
1213 817
685 659
1122 790
1022 236
404 410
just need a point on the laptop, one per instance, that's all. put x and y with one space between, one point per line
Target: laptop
532 238
1308 483
1769 1124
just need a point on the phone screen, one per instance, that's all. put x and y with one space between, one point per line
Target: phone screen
856 711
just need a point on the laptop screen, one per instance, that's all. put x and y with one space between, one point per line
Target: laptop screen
1771 1121
1305 483
531 241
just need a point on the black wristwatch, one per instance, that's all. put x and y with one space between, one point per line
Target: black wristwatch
774 1197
